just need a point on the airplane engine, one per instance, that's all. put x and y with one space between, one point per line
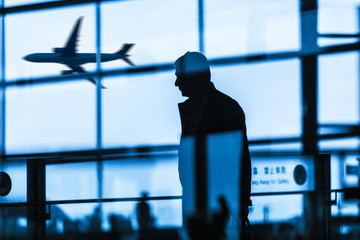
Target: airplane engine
67 72
58 50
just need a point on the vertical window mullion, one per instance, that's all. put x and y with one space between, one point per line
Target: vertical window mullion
2 84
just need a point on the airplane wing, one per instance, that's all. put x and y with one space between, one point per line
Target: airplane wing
71 43
79 69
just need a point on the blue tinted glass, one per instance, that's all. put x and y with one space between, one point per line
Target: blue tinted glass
243 27
162 30
141 109
337 17
41 32
13 223
283 208
291 147
71 181
53 117
9 3
74 219
339 144
342 178
120 218
130 178
339 88
268 92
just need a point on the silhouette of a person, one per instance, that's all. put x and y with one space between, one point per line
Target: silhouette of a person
214 229
143 214
207 111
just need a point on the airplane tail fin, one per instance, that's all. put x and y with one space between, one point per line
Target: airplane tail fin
128 61
126 47
123 53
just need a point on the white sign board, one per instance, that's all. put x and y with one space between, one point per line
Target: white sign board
282 174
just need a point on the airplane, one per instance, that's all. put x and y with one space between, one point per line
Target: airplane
68 55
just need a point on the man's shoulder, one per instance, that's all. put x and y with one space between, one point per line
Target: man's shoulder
184 104
222 98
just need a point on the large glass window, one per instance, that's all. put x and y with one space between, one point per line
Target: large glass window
131 178
9 3
160 34
328 20
141 109
247 27
50 117
41 32
269 94
339 88
112 132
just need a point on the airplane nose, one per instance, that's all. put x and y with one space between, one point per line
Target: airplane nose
30 57
26 58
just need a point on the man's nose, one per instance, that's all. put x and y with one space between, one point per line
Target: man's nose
177 82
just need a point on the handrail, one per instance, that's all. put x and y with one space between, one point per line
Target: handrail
154 198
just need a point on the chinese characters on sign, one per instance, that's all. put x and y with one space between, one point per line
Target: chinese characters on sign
282 174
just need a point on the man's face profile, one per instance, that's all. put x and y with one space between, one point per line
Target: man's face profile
184 83
192 74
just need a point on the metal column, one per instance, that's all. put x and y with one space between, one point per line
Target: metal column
99 106
309 75
316 205
2 112
201 26
317 211
36 213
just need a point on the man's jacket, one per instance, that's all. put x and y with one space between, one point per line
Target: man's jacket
218 114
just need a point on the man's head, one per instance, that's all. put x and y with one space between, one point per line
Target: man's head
192 72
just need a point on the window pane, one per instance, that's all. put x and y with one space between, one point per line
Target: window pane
41 32
275 208
243 27
161 35
337 16
344 174
130 178
141 109
50 118
71 181
9 3
111 221
13 223
71 220
340 144
339 88
269 94
290 147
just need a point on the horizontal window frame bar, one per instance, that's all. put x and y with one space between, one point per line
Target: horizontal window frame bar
160 151
155 198
79 201
156 68
49 5
96 153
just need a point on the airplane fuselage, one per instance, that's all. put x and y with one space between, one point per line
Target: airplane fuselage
76 59
68 55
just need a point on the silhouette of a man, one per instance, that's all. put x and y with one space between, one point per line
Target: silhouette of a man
207 111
